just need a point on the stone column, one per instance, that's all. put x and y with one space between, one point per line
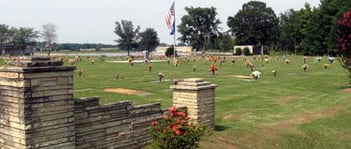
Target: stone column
199 98
36 104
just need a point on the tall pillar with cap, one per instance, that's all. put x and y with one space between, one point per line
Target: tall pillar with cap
36 104
199 98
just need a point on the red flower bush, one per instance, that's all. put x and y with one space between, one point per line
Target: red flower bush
174 131
343 41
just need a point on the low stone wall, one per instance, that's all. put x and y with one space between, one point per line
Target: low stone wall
37 110
115 125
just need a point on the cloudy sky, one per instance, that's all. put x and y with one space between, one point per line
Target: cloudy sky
93 21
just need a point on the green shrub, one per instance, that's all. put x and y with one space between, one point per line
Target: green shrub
237 51
174 131
247 51
170 51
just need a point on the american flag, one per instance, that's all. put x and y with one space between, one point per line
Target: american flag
169 15
173 29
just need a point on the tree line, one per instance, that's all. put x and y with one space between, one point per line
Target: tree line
16 38
308 31
21 38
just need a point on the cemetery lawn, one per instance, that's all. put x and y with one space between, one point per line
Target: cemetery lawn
295 109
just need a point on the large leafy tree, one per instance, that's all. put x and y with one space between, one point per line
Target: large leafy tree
343 42
199 27
310 31
49 35
128 36
288 31
319 27
149 39
225 42
329 12
295 28
24 37
254 24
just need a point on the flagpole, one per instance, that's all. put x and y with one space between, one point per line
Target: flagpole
174 35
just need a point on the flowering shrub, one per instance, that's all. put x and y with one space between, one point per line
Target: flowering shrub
343 41
174 131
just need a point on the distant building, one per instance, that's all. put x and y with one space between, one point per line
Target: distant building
254 50
181 49
88 50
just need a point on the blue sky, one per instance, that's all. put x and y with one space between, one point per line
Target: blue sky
93 21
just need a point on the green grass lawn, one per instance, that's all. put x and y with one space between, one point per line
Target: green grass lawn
296 109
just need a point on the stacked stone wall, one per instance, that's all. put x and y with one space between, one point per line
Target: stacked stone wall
36 107
115 125
199 98
37 110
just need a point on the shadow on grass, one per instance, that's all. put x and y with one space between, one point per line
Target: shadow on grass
220 128
345 86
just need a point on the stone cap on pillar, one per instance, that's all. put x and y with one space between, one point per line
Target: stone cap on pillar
35 63
193 84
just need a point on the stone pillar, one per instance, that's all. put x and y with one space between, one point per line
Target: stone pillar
36 104
199 98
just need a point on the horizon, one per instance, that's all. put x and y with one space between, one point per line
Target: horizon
93 21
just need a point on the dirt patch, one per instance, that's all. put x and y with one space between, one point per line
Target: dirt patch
127 91
218 141
348 90
242 77
287 99
310 116
83 90
289 125
258 138
235 117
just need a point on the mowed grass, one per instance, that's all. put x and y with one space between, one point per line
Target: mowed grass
295 109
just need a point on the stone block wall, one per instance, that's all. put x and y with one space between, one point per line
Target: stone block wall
37 110
115 125
36 107
199 98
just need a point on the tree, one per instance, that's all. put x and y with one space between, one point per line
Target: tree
330 12
288 31
319 28
199 27
49 35
149 39
24 37
4 36
170 52
225 42
310 31
128 36
254 24
343 42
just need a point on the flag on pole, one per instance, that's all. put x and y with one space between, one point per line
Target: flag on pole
169 15
173 28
